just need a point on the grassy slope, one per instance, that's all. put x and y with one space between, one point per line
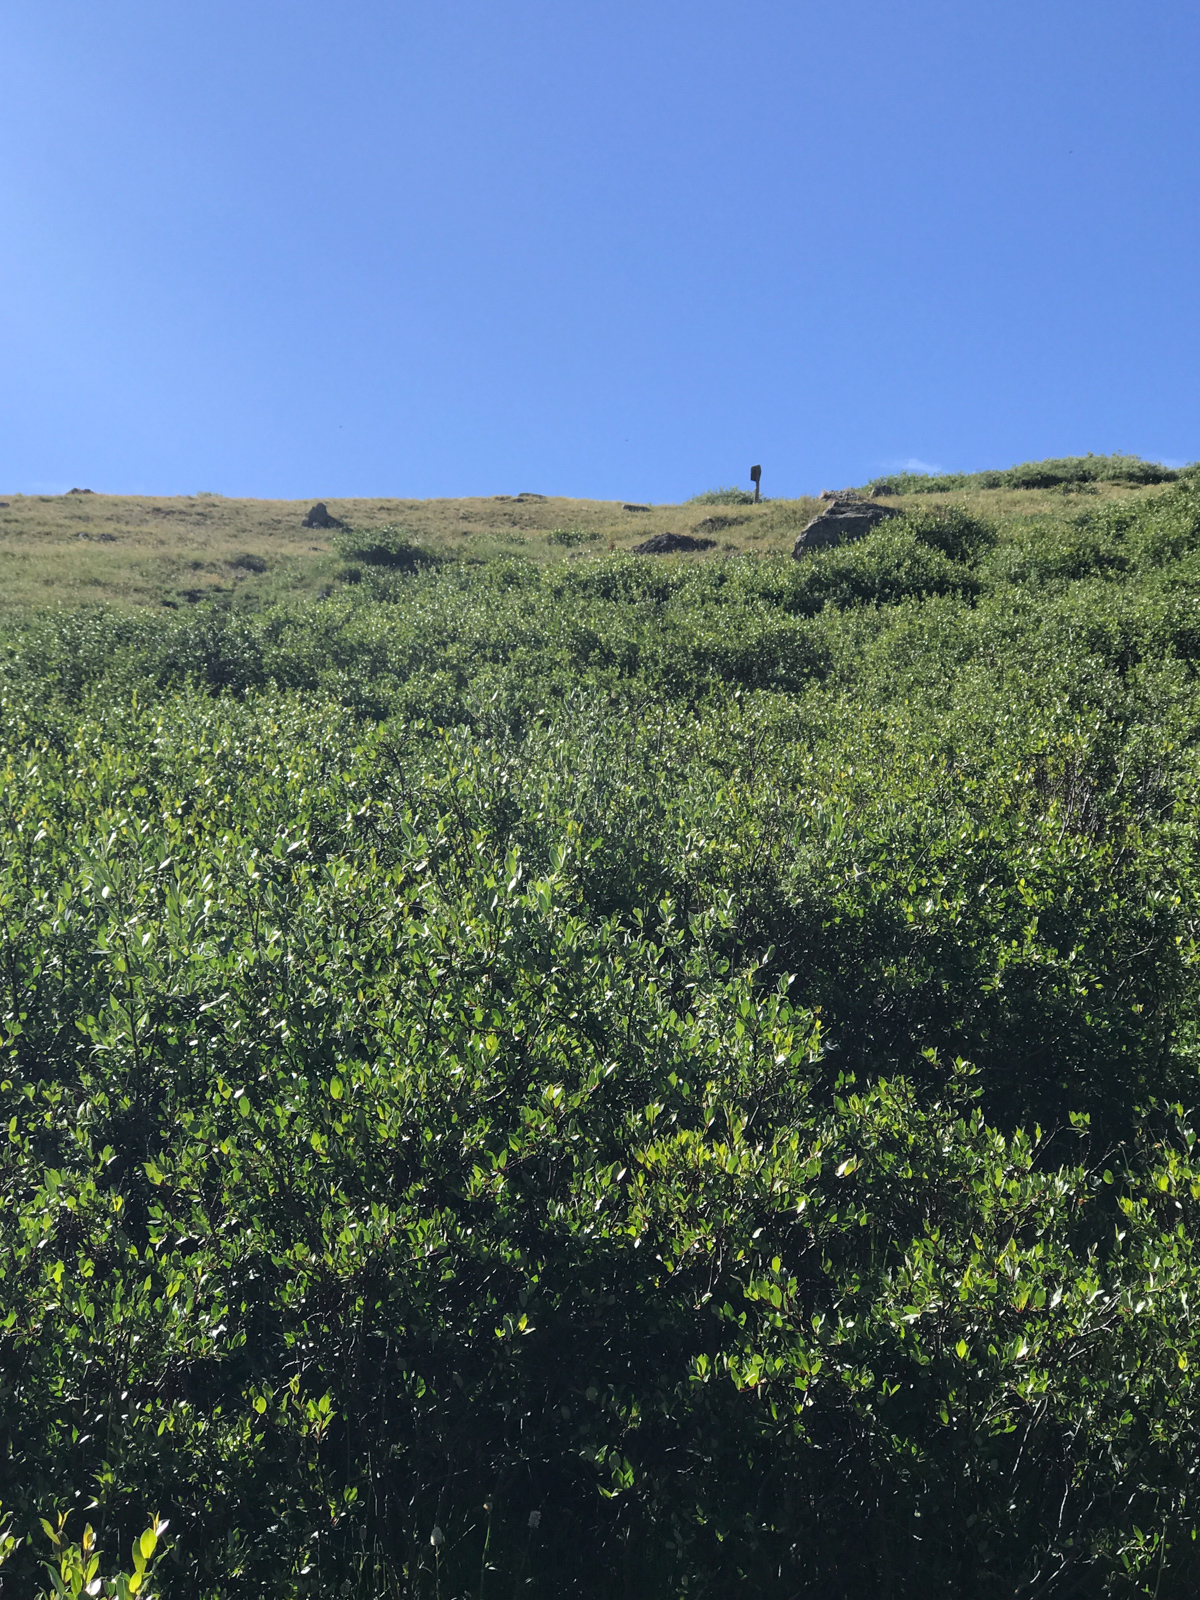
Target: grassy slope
144 550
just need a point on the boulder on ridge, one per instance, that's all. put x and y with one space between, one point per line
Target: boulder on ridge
319 517
843 518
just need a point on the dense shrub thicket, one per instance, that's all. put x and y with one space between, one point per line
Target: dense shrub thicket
723 496
624 1079
1067 472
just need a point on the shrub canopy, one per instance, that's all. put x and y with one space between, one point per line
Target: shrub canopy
630 1078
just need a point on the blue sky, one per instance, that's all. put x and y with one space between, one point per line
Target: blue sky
615 250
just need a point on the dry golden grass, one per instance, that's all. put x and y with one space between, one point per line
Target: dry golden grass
124 550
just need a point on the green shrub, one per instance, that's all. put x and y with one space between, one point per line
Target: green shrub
570 536
889 565
723 497
383 547
1041 552
488 1053
951 529
77 1568
249 563
1051 474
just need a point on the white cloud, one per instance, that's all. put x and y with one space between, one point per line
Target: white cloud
907 464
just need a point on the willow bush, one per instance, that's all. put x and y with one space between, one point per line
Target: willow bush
614 1080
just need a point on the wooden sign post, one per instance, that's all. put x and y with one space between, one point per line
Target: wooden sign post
756 479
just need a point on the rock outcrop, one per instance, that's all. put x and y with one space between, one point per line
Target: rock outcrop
843 518
319 517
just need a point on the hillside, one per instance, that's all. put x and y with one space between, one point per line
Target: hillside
77 549
606 1076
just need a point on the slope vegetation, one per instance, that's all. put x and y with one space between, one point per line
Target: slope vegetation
616 1076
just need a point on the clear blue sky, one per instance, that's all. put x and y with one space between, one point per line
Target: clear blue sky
619 249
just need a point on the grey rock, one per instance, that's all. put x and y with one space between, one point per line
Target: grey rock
843 518
319 517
